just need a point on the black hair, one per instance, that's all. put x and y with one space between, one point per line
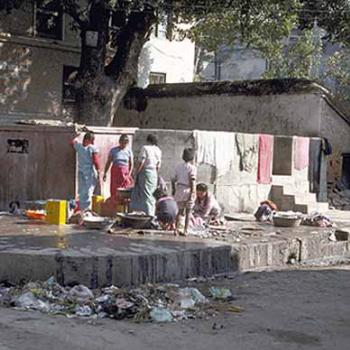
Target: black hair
159 193
152 139
89 136
123 137
188 155
201 187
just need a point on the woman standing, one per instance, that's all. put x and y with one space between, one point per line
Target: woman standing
146 177
122 161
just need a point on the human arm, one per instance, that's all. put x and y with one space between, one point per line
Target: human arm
74 141
192 179
96 161
131 164
107 166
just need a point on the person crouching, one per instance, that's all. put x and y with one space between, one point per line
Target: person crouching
166 210
206 206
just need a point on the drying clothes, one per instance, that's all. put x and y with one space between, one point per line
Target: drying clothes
265 159
314 164
301 152
215 148
248 146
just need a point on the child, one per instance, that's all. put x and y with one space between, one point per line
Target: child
206 205
184 186
166 210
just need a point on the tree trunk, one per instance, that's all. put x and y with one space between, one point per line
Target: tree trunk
100 88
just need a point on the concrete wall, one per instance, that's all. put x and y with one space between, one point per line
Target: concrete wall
237 190
48 168
31 67
337 131
46 171
285 114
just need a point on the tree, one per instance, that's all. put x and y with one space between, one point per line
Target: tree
109 56
298 59
337 73
267 26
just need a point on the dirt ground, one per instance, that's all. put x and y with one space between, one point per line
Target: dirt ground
291 309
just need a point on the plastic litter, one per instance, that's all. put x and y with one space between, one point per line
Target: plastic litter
161 315
83 311
80 292
157 302
220 293
29 301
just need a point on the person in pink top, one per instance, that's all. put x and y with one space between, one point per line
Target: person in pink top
184 187
206 206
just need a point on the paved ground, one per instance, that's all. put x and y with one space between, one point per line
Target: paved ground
299 309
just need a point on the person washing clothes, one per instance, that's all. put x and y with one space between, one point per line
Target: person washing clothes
166 210
206 206
146 177
88 169
184 187
122 161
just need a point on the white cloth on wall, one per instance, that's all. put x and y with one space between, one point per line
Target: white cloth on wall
248 148
215 148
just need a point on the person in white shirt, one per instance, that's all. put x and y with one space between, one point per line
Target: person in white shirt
146 177
184 187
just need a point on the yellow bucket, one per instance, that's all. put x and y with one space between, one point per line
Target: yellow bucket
56 212
96 203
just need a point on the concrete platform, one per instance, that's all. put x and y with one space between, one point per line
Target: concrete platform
95 258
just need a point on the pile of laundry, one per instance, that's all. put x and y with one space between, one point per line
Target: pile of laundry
158 303
317 219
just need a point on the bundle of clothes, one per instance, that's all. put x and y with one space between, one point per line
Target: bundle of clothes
267 209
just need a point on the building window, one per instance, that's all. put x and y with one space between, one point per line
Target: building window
49 19
69 76
157 78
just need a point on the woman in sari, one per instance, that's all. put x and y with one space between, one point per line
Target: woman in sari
122 161
146 177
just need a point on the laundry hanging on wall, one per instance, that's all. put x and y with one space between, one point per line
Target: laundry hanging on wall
215 148
248 147
301 152
265 159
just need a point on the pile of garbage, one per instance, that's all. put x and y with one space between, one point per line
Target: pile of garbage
151 302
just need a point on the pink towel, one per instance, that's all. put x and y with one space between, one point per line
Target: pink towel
265 159
301 152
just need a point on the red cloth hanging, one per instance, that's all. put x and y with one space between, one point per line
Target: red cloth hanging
265 159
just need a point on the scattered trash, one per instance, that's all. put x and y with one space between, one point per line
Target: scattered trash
152 302
29 301
81 293
161 315
220 293
83 311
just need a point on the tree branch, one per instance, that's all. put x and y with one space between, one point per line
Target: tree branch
129 42
71 8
